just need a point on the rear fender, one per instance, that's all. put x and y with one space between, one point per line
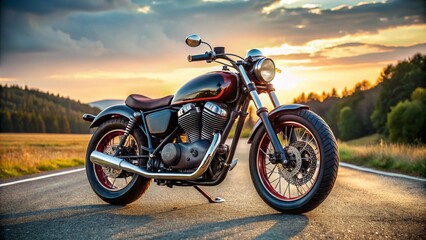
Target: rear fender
112 112
281 110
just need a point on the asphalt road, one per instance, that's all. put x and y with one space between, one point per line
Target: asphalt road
361 206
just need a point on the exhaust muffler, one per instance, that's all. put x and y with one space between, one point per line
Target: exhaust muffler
118 163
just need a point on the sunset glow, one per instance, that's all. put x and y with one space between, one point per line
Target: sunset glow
111 49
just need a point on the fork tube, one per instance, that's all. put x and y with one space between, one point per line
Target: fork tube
262 112
274 99
251 87
271 92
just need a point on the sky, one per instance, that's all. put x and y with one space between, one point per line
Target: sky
106 49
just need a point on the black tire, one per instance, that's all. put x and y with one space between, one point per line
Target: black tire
136 186
326 173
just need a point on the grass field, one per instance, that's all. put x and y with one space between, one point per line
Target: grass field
22 154
372 151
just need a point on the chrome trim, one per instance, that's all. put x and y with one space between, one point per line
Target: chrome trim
274 99
215 109
193 40
254 53
185 108
258 67
117 163
254 95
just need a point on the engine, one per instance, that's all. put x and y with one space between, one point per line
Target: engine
199 124
202 124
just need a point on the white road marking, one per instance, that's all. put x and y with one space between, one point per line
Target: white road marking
388 174
341 164
41 177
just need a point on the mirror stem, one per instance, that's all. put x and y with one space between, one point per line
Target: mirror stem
211 49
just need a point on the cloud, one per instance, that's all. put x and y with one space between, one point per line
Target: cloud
353 45
343 20
122 28
392 54
152 32
350 54
27 33
43 7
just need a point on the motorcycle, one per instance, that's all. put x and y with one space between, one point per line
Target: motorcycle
179 140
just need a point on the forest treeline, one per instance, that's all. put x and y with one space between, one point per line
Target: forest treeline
395 107
34 111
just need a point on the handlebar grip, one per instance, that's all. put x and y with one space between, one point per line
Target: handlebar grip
199 57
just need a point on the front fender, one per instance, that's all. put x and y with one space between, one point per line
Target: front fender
273 114
110 112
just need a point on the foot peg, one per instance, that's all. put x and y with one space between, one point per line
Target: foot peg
233 164
206 195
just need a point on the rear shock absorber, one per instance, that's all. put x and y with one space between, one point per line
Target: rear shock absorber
129 128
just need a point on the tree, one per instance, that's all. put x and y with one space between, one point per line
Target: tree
324 96
333 93
345 92
407 120
398 82
348 124
5 122
313 96
362 86
18 125
23 109
419 95
41 124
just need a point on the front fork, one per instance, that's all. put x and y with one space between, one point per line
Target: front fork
262 112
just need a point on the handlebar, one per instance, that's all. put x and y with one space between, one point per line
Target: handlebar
217 53
200 57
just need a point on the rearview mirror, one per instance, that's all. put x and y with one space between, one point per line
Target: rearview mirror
193 40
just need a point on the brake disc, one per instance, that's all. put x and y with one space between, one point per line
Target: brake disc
295 163
302 163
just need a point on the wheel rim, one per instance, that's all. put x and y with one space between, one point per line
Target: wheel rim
111 179
275 177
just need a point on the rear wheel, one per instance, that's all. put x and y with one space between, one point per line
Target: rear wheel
112 185
308 178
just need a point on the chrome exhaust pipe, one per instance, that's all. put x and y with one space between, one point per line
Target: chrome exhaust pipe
118 163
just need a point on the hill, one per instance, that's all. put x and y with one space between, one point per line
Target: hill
34 111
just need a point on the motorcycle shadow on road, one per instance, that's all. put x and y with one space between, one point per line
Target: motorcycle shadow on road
76 222
270 226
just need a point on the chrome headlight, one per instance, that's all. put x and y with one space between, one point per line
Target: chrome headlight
264 70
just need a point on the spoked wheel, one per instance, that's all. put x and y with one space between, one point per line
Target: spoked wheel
294 180
109 178
112 185
303 183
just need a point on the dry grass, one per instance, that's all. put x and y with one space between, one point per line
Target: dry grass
403 158
22 154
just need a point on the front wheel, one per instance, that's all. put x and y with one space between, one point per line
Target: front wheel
303 183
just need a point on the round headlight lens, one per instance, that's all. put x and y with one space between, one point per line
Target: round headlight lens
264 70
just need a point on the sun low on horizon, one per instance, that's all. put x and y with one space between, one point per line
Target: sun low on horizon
94 50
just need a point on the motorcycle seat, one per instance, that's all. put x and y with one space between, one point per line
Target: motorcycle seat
142 102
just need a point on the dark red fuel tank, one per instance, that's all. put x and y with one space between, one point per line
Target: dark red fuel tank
217 86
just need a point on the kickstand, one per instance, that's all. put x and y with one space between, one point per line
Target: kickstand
206 195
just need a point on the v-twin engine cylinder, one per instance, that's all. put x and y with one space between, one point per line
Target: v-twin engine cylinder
214 119
189 118
199 124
